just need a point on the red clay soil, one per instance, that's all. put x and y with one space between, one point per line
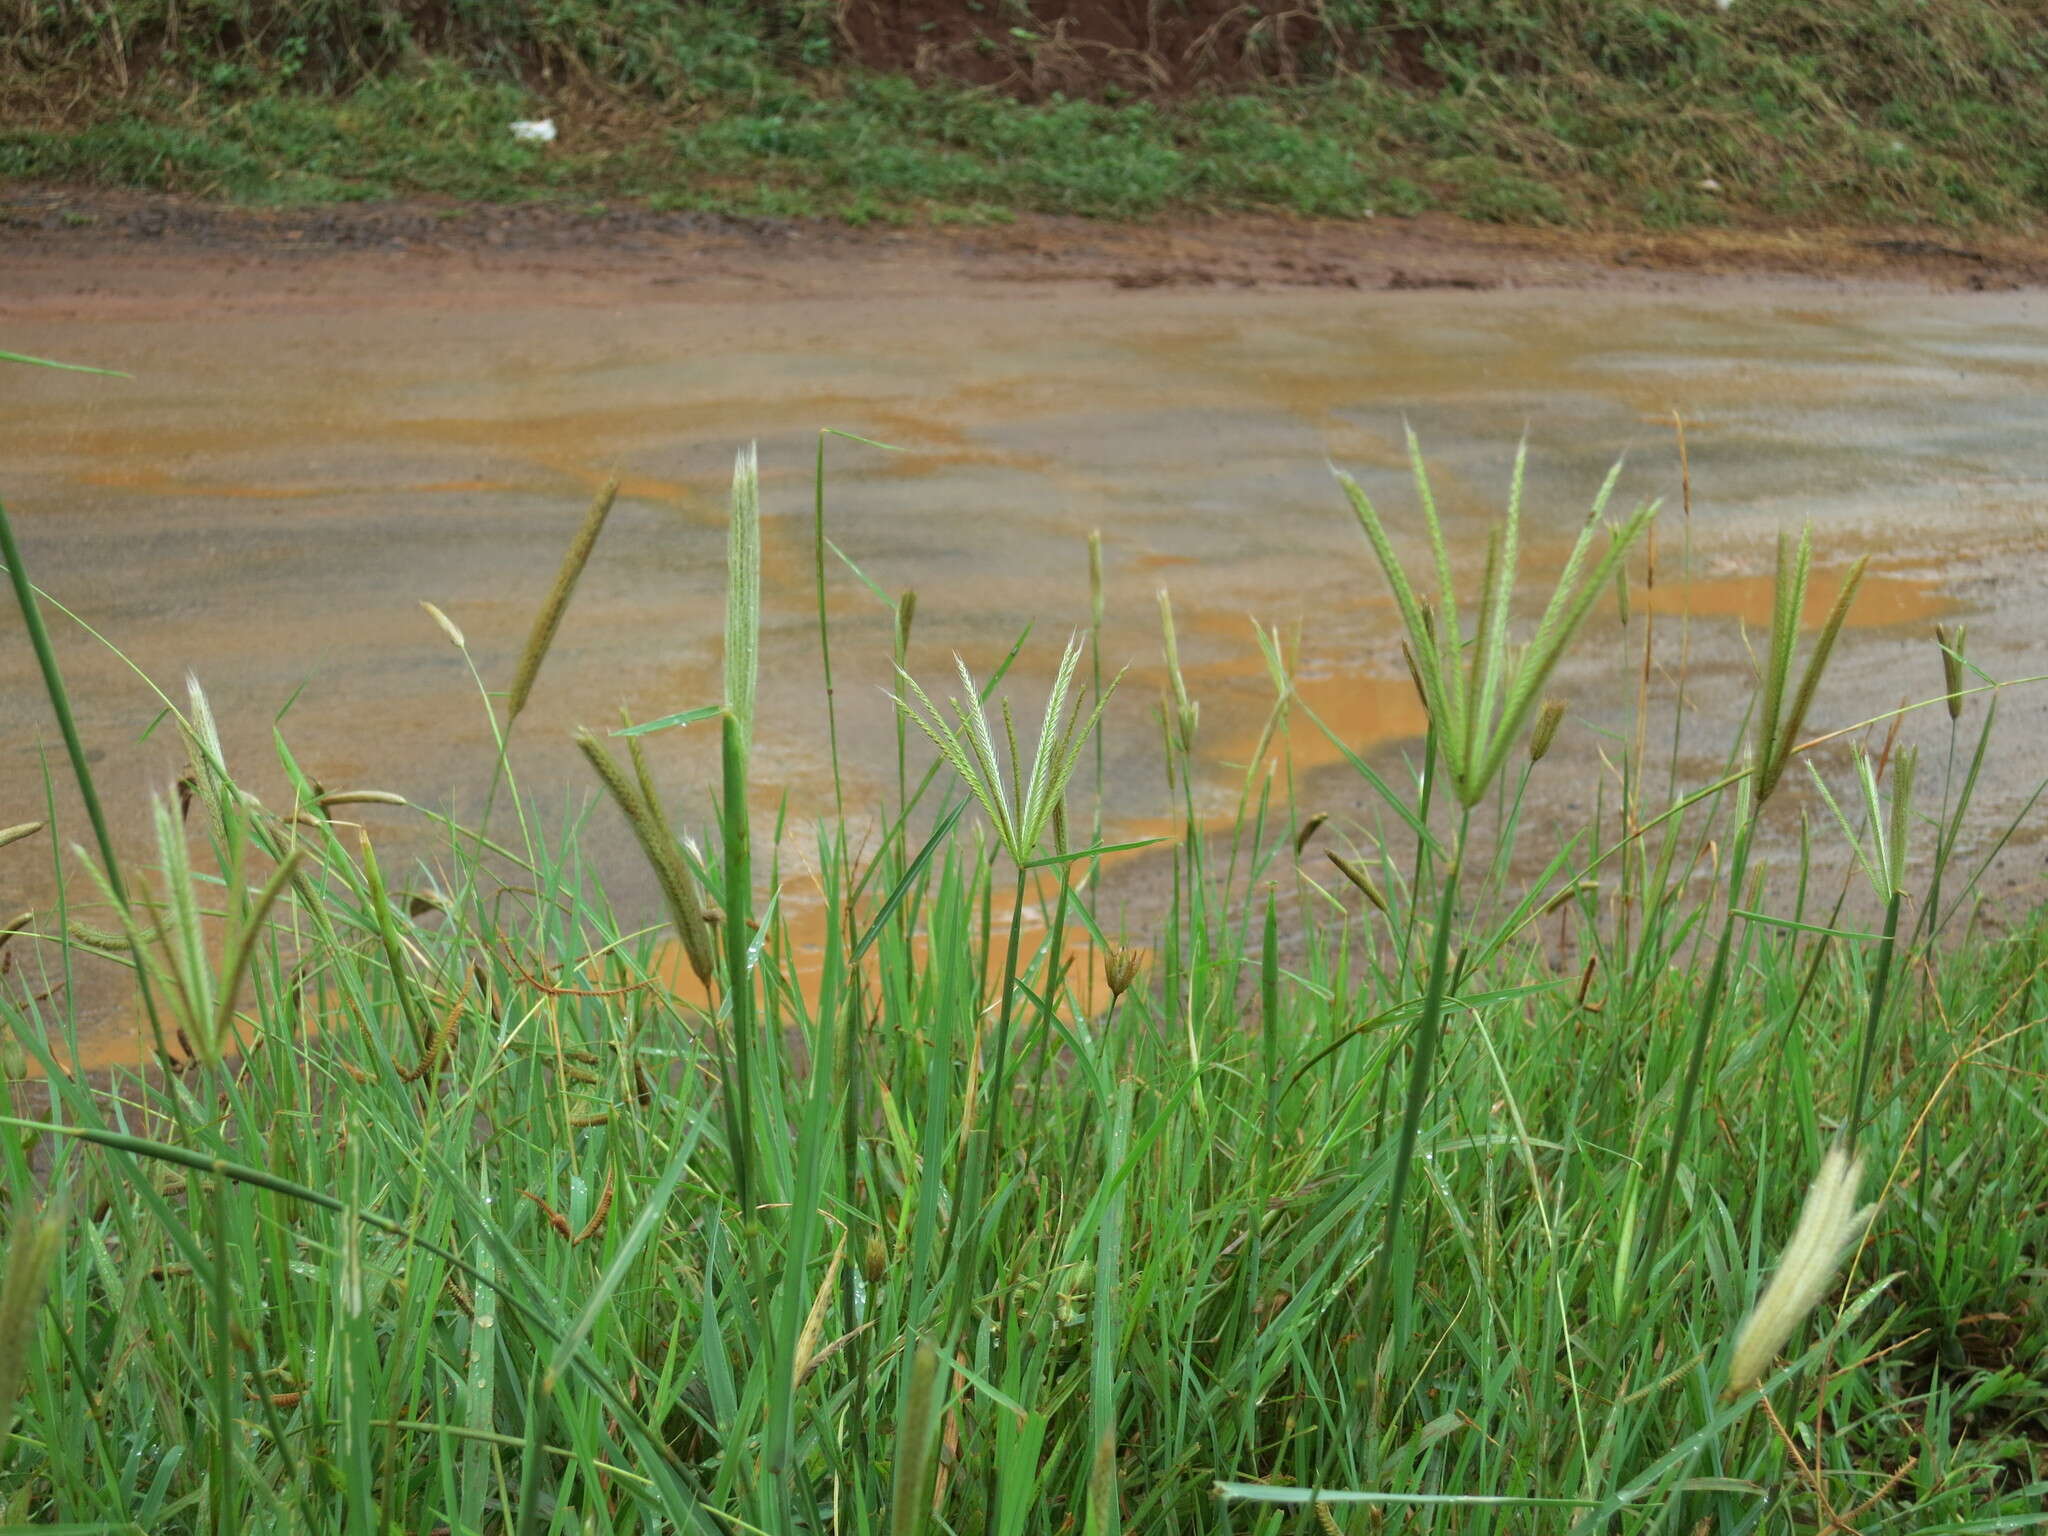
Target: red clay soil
1033 48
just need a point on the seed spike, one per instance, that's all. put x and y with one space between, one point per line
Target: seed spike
542 637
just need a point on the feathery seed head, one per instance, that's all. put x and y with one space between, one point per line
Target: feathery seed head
1021 816
1830 1224
1481 693
448 626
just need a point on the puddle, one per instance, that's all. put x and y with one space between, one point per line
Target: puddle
269 499
1882 599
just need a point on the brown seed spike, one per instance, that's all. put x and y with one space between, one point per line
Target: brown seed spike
435 1047
1120 969
555 1218
595 1225
874 1259
1351 871
1545 730
1309 829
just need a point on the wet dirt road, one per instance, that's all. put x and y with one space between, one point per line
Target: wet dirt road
309 448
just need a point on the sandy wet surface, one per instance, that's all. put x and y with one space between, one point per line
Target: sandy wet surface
312 445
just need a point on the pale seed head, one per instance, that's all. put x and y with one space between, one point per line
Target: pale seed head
1830 1224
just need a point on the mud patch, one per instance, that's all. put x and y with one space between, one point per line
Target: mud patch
1428 252
74 217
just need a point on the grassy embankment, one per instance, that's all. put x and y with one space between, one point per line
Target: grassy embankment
1403 1178
1540 111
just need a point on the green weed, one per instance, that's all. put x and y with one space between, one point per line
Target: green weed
1538 111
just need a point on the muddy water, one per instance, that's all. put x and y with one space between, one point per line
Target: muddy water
287 476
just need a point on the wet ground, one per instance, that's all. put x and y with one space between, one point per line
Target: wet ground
314 441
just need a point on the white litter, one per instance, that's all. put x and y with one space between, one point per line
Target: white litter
539 130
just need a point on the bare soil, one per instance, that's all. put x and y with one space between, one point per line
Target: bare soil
79 226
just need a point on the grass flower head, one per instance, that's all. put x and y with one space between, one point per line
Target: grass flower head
1830 1223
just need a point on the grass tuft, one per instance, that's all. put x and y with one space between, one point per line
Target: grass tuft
941 1209
1526 112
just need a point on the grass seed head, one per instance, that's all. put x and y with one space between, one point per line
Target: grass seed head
1481 694
1952 653
1120 969
30 1247
549 619
1095 578
650 830
1351 870
1545 730
448 626
906 615
1187 713
1783 715
1830 1224
1309 828
874 1259
1020 819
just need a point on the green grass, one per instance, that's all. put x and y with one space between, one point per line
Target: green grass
934 1233
1534 111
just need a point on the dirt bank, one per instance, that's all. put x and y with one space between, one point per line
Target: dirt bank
574 248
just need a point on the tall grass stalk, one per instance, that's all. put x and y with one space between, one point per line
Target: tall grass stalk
736 734
1780 720
1884 865
1478 697
26 601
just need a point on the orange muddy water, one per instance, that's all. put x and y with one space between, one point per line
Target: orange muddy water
306 452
